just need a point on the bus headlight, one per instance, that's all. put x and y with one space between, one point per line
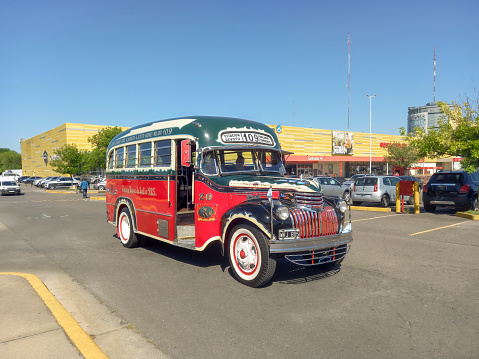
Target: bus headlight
282 212
343 206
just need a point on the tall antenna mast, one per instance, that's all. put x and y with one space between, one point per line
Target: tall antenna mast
349 75
434 95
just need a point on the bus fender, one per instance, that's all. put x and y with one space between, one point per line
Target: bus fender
253 214
122 202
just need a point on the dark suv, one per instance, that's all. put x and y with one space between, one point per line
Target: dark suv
451 188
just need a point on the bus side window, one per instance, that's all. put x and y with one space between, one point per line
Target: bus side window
144 153
111 159
119 157
163 153
131 156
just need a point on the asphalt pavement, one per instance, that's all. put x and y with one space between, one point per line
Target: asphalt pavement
46 314
67 323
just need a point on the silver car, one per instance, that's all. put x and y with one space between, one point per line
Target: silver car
375 189
332 187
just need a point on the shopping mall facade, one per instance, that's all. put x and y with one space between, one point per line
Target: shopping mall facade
315 151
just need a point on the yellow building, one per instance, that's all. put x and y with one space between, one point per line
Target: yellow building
315 151
335 153
38 151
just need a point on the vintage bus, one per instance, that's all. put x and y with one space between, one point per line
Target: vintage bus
196 180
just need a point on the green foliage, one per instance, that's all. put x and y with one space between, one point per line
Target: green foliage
457 135
9 160
70 160
400 154
96 159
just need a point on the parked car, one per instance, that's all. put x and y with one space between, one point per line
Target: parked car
43 182
9 186
35 182
331 187
412 178
61 182
375 189
31 179
350 181
22 178
456 189
101 185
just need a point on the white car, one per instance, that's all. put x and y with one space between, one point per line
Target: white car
100 185
61 182
331 187
9 186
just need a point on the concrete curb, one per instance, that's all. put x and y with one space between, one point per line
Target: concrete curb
371 209
82 341
474 217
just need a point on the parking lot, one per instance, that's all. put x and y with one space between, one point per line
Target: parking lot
408 287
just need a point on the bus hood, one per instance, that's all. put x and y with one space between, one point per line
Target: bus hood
277 183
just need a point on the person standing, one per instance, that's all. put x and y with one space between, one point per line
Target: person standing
84 186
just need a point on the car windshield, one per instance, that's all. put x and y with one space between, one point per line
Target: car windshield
366 181
447 178
8 183
242 160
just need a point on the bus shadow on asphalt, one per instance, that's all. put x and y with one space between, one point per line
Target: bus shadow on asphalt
289 273
286 272
210 257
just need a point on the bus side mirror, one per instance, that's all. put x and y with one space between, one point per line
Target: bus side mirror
186 153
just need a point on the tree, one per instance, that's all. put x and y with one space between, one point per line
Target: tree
69 160
402 155
96 158
9 160
457 135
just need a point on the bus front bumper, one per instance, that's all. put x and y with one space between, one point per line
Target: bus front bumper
313 243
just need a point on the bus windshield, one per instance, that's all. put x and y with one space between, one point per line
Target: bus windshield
234 161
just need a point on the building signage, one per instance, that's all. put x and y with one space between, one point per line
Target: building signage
342 143
45 157
417 120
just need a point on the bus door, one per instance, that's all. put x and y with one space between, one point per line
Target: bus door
185 211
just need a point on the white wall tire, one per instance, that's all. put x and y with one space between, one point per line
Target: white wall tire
249 256
125 230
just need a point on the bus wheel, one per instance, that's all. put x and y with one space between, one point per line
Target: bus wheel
249 256
125 230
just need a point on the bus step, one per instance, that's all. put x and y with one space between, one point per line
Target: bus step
185 232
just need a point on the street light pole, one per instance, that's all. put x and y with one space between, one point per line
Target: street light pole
370 103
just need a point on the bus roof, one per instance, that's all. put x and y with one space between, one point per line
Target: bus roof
211 131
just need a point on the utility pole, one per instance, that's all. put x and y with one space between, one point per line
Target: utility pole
370 103
349 75
434 95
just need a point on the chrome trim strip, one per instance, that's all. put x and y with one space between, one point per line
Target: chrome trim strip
310 244
161 214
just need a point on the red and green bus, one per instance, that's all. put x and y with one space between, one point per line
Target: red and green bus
197 180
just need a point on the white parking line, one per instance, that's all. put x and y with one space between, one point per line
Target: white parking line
367 219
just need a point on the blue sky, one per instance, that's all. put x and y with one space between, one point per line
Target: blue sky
117 62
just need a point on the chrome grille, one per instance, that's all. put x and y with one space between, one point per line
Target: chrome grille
314 224
319 257
312 200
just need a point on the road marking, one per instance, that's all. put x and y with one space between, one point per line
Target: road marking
84 343
435 229
367 219
46 216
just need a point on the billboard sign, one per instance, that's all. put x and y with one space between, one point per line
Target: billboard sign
417 120
342 143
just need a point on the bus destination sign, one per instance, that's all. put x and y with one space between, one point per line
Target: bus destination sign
251 137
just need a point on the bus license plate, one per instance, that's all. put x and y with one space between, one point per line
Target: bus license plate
288 234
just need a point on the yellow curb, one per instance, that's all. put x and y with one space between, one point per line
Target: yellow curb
474 217
371 209
75 332
98 198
